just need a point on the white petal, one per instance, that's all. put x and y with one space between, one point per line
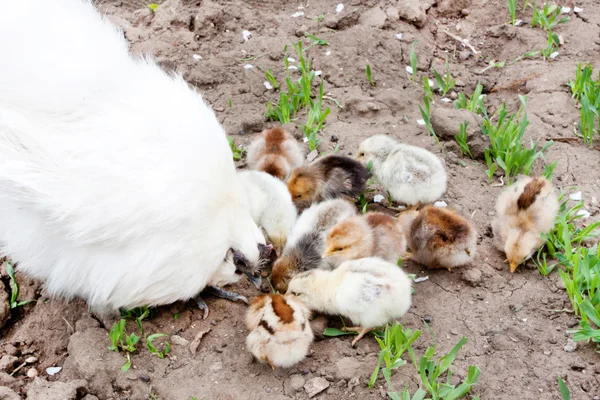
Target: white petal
318 73
565 10
378 198
518 22
575 196
339 7
53 370
246 35
554 55
399 36
441 204
305 139
328 53
248 66
577 9
421 279
292 68
268 85
197 57
290 59
584 213
482 96
297 14
409 69
421 121
446 100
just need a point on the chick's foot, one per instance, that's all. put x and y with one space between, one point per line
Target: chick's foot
361 332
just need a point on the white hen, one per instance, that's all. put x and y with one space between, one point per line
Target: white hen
117 184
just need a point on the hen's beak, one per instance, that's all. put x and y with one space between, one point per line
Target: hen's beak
513 267
257 281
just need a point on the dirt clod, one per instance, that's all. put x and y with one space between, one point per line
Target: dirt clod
315 386
41 389
7 393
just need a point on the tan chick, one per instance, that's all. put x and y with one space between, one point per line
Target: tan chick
280 332
306 242
275 152
370 292
524 211
411 174
373 234
328 178
438 237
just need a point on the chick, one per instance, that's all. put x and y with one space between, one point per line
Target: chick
524 211
439 237
328 178
369 291
280 332
275 152
412 175
306 242
270 205
373 234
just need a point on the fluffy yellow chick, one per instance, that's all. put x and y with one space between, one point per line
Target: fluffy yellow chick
524 211
373 234
411 174
369 291
280 332
439 237
275 152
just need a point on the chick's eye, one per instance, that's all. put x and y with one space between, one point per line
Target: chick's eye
339 249
298 196
361 154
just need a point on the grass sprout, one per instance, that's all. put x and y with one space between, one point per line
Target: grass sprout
435 376
425 110
552 45
150 345
271 79
506 148
547 17
475 103
14 288
564 390
512 10
461 139
529 54
587 91
153 7
446 82
369 75
236 151
413 61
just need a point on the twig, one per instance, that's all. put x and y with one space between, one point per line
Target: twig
515 84
499 184
461 40
564 139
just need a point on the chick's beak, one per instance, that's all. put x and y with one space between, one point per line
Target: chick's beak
513 267
328 252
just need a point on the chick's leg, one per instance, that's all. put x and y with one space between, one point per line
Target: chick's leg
361 332
226 294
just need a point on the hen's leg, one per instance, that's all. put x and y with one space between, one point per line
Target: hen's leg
202 306
225 294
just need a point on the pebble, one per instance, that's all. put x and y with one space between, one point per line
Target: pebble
428 319
453 95
11 350
144 378
354 382
573 323
216 367
312 156
297 382
333 139
7 362
571 346
577 364
315 386
30 360
32 373
454 332
268 389
472 276
464 12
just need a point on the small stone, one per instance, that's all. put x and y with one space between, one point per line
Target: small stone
301 31
472 276
144 378
312 156
375 17
571 346
11 350
454 332
7 363
464 12
553 340
297 382
216 367
428 319
30 360
453 95
354 382
32 373
463 56
347 368
578 364
573 323
268 389
333 139
392 13
560 284
412 11
179 341
315 386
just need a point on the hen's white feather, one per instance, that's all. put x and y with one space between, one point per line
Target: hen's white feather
115 177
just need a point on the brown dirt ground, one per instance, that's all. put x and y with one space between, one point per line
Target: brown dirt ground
515 336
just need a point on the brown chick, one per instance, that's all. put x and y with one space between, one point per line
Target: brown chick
524 211
373 234
280 332
439 237
275 152
328 178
